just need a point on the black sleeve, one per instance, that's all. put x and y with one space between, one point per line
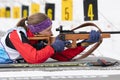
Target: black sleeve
39 45
9 43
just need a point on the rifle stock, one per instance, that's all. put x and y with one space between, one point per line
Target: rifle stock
49 38
72 37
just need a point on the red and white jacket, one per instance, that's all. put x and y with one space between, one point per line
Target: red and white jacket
17 46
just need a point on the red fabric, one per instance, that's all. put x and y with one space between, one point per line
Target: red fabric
30 34
30 54
68 54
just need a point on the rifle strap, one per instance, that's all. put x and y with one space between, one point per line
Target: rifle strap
97 44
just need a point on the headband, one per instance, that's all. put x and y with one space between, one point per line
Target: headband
40 26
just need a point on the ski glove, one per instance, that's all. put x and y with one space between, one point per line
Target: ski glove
94 36
58 45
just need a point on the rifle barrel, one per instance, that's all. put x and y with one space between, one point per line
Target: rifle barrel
110 32
83 32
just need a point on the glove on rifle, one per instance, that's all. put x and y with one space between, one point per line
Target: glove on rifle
94 37
58 45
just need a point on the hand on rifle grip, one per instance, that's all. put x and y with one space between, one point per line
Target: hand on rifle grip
67 42
58 45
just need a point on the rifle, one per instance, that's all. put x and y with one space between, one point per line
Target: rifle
71 35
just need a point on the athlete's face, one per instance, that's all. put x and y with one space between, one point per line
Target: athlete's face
47 31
